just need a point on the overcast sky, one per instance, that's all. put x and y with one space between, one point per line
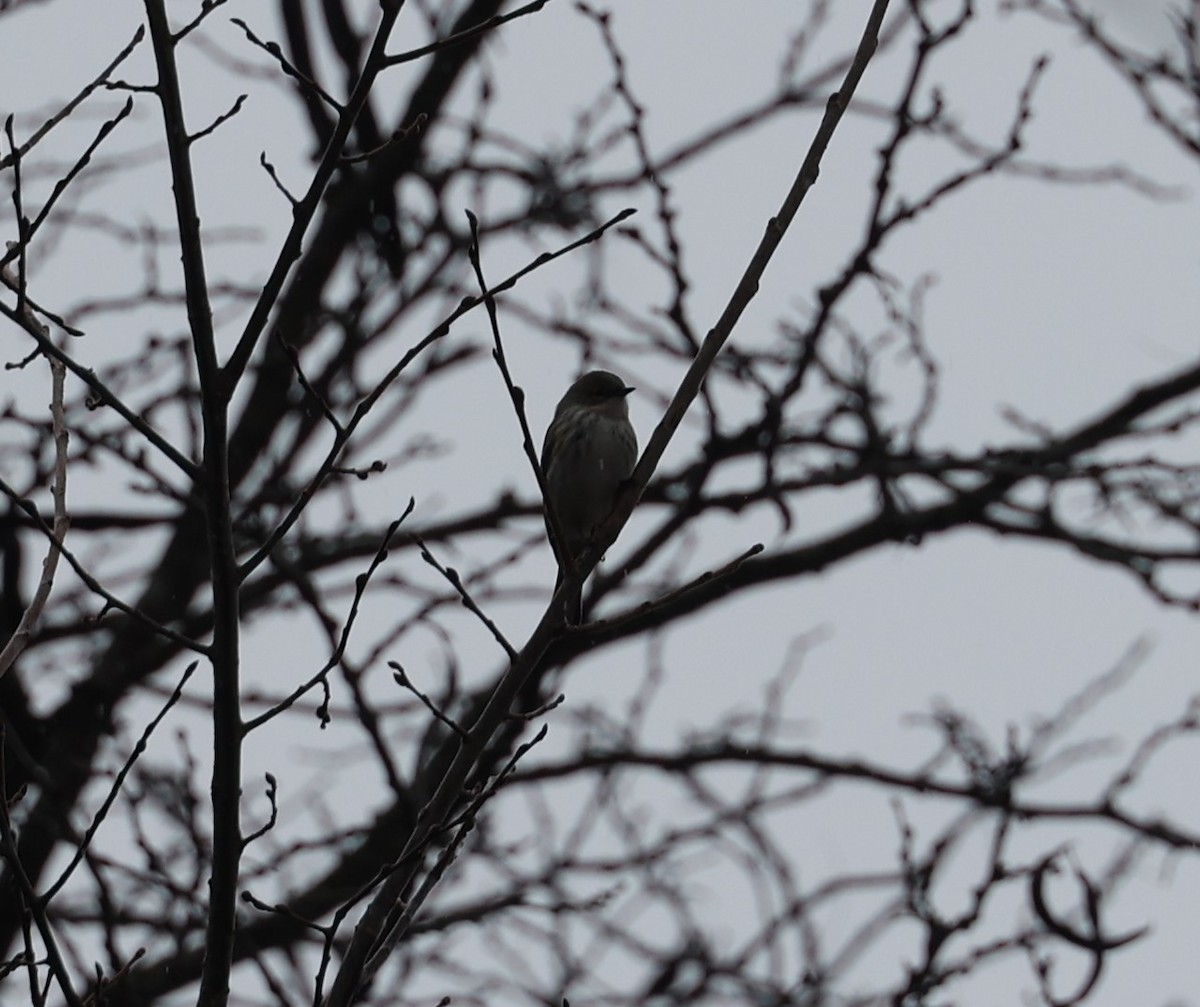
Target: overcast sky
1050 299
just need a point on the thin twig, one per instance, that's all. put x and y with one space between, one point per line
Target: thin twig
455 581
465 35
317 397
82 845
517 396
61 185
269 168
273 50
360 586
272 791
206 8
75 102
223 117
22 244
706 580
399 135
402 680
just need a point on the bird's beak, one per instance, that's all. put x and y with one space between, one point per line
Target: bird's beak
627 389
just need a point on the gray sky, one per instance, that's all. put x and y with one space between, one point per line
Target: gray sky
1049 299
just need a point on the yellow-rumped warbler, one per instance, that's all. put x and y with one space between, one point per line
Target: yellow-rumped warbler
589 451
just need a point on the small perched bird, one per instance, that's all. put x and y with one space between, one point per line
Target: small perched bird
589 451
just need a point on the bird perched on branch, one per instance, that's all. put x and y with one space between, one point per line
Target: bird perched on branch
589 451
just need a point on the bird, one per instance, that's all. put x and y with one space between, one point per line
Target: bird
589 452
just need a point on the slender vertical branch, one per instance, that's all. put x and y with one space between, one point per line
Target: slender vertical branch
214 404
33 612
